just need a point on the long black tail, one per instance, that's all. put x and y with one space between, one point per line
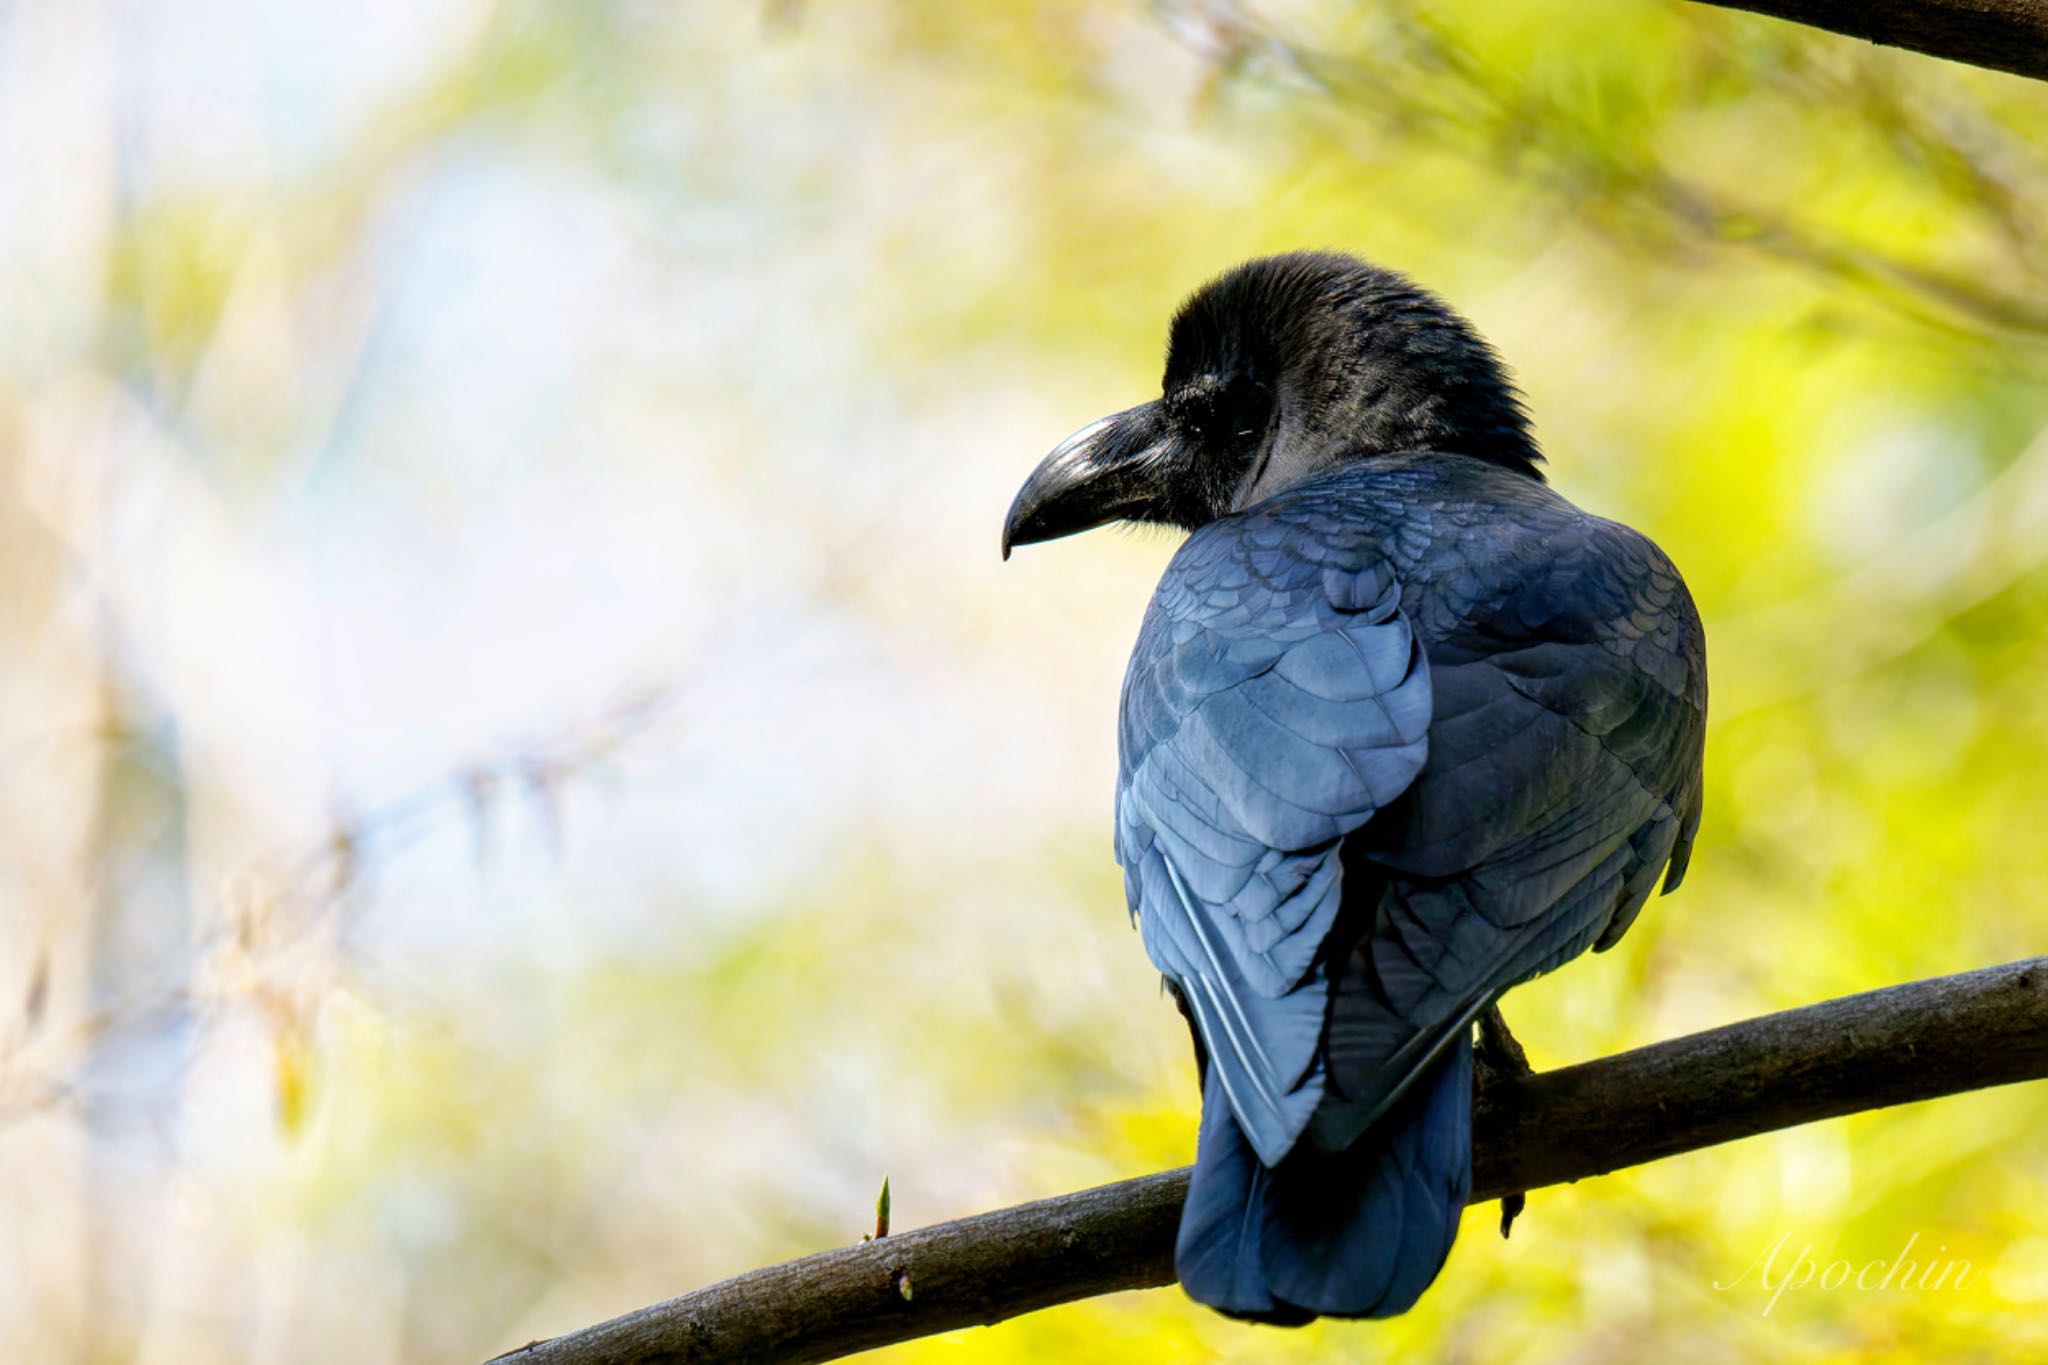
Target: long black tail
1358 1233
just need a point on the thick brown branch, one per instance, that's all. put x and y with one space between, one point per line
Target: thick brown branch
1885 1047
2004 35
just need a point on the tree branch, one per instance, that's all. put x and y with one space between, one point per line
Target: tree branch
2003 35
1893 1046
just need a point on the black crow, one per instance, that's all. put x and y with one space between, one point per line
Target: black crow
1403 729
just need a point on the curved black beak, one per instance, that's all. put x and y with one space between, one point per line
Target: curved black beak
1106 471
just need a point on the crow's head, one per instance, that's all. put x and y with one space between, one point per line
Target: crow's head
1276 372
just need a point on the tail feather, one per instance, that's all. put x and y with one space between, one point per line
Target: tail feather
1358 1233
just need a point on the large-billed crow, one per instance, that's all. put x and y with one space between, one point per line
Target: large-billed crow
1403 728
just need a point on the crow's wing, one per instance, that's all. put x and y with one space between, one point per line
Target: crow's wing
1563 778
1276 700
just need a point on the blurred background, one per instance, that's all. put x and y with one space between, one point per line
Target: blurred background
525 787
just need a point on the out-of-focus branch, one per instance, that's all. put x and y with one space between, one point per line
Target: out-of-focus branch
2002 35
1418 76
1885 1047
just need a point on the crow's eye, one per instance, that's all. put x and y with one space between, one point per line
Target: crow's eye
1220 412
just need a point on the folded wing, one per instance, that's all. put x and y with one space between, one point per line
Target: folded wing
1276 701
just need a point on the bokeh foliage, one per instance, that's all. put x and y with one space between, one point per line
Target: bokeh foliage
526 789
